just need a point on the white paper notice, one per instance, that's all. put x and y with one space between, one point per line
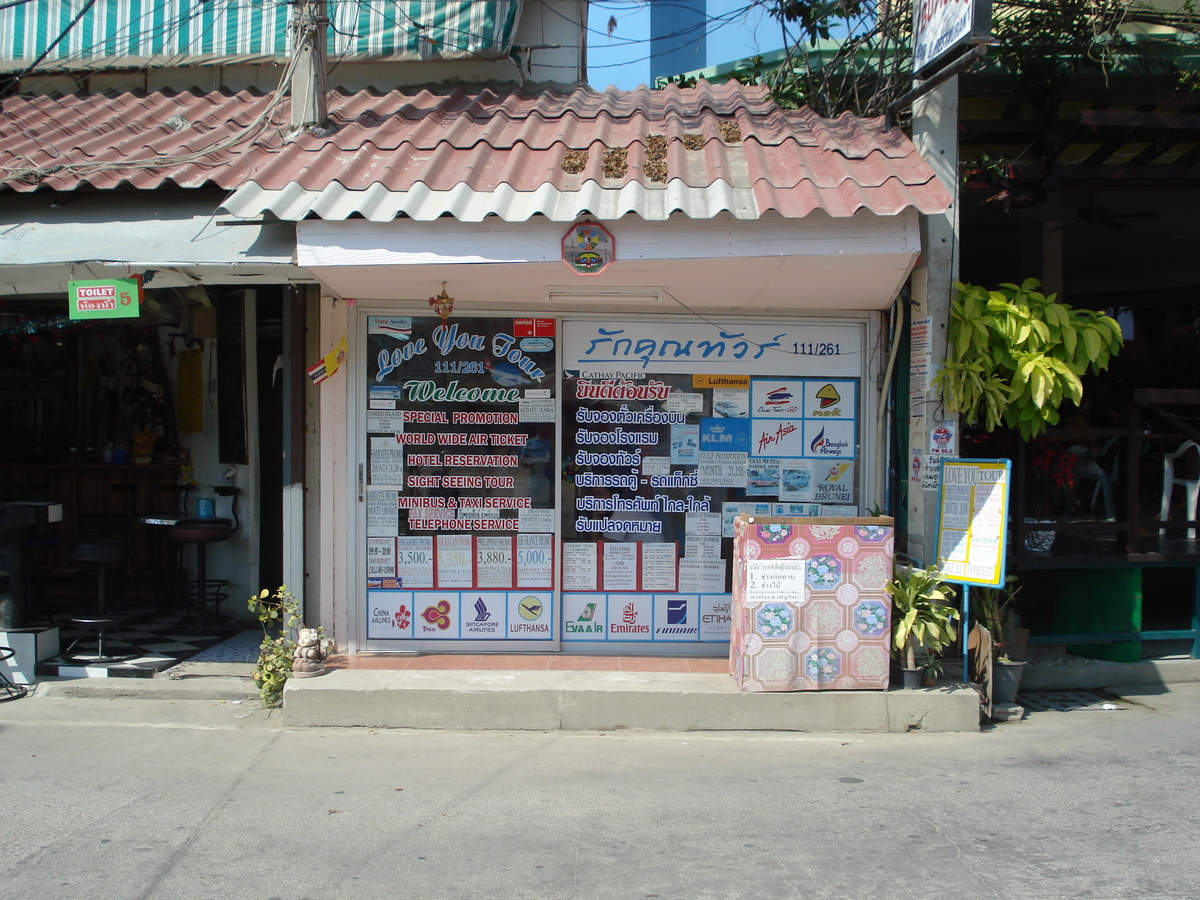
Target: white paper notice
579 567
658 567
455 568
703 546
385 421
494 562
387 462
684 403
620 567
535 520
529 410
535 561
381 557
702 523
656 465
414 561
702 576
722 469
775 580
383 513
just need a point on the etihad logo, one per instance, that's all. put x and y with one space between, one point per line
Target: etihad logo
438 614
481 611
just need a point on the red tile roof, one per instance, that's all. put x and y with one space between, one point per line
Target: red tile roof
551 152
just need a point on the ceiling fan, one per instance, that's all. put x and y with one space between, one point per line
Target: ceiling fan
1094 214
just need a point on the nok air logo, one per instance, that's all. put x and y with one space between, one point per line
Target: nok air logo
828 399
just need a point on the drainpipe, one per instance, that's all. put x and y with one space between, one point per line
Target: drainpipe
940 77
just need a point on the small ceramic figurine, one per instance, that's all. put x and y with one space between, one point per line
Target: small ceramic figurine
308 660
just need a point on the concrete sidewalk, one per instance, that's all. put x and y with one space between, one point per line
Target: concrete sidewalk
464 699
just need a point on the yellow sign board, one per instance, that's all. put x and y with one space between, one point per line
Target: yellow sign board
973 521
721 381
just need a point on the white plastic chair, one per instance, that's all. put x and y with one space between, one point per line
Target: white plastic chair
1090 468
1190 485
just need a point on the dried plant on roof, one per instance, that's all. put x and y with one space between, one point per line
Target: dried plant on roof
574 161
693 141
615 162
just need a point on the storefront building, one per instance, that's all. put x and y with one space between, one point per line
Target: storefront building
581 332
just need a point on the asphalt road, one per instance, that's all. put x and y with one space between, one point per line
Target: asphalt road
139 798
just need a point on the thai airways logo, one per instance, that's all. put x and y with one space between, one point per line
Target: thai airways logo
402 618
677 611
438 614
481 611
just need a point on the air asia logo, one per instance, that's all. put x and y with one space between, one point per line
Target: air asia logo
629 622
677 612
586 623
402 618
481 611
438 614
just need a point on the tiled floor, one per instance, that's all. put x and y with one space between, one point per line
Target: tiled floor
153 642
531 662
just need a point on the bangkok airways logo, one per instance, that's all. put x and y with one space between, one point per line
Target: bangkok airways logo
818 442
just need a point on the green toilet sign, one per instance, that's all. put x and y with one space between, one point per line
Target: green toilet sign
113 298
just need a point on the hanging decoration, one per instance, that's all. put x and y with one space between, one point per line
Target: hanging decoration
443 303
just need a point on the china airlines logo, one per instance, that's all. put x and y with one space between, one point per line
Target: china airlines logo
402 617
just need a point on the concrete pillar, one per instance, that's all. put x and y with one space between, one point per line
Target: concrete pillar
935 133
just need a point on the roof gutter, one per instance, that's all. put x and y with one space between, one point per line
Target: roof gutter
961 64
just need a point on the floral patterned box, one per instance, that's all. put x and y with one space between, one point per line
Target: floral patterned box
810 612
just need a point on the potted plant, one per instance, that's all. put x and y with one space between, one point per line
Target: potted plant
931 670
1015 355
993 607
920 615
1052 479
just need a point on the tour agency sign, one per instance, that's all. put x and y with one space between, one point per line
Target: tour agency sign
942 26
972 530
113 298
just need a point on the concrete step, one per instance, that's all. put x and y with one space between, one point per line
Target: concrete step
609 701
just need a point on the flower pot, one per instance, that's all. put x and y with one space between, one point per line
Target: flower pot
1039 541
1006 680
912 679
928 679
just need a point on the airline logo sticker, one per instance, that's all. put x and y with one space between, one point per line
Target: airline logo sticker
675 617
776 398
389 614
529 616
829 399
829 439
583 617
631 617
437 616
484 617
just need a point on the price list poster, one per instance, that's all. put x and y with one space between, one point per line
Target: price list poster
973 521
460 479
